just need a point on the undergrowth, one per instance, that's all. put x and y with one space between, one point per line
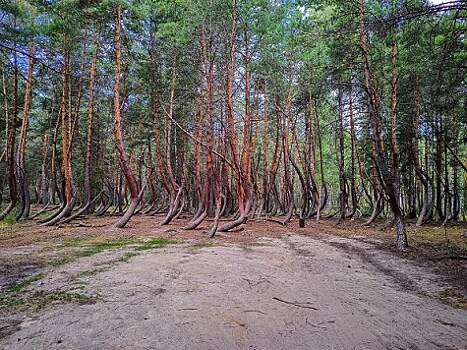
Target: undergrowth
22 285
99 247
202 245
9 220
158 242
85 247
18 298
38 300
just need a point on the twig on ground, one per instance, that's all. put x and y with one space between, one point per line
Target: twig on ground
302 305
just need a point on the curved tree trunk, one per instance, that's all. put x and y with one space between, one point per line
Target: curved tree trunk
23 212
64 212
54 214
197 221
242 218
390 183
88 155
105 205
84 210
174 207
377 209
118 130
11 138
69 199
427 207
215 225
42 210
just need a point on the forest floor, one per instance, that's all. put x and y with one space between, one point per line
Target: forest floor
88 285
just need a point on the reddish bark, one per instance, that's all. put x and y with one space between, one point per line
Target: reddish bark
390 183
90 132
22 175
10 149
118 128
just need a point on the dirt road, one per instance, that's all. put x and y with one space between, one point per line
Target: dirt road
293 292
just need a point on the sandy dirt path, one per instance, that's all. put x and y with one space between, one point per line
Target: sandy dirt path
295 292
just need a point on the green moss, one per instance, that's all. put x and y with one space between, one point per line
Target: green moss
22 285
202 245
127 257
75 242
457 251
153 243
454 297
42 215
99 247
93 245
10 219
90 272
63 260
17 298
85 247
8 301
249 246
41 299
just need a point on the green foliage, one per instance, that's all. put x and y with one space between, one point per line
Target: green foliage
298 48
10 219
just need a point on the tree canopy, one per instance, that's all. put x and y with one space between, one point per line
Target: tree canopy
235 109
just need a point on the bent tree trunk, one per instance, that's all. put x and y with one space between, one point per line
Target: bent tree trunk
88 156
118 132
69 198
241 169
389 180
378 206
22 175
10 148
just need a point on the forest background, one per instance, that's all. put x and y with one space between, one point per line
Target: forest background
227 111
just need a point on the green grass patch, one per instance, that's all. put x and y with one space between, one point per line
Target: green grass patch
75 242
18 298
249 246
63 260
202 245
90 272
127 257
42 215
89 246
98 247
22 285
10 219
40 299
457 250
154 243
8 301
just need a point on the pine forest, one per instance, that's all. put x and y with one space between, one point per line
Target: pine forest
234 109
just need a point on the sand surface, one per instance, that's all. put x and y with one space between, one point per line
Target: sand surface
293 292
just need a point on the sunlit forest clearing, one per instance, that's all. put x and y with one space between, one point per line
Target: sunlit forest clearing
294 148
